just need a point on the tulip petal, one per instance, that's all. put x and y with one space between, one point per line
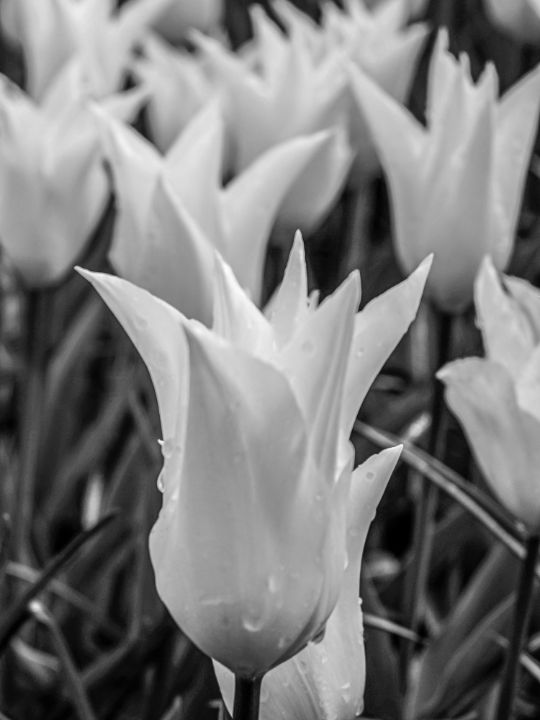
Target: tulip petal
176 260
193 166
251 201
507 335
239 505
136 167
315 359
236 318
401 142
326 679
378 329
517 121
316 189
528 297
503 438
289 306
528 385
155 328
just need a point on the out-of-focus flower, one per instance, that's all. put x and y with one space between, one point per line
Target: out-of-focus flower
376 41
326 680
52 184
456 185
182 15
178 87
278 93
497 399
256 416
90 32
173 211
520 19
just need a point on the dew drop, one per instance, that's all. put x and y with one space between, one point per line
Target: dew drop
160 482
140 322
272 584
370 475
167 448
210 601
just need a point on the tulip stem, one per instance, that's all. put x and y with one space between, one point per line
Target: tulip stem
522 613
30 428
416 581
247 694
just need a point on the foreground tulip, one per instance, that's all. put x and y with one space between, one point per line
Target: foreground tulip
326 680
53 188
256 416
496 399
173 210
520 19
53 32
456 185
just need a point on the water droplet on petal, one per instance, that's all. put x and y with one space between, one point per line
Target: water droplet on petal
160 483
272 584
140 322
370 475
167 448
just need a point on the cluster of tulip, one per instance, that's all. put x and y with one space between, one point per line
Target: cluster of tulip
258 546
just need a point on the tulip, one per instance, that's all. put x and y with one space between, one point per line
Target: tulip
375 41
456 185
275 93
53 32
52 185
519 19
183 15
173 211
177 85
256 414
326 679
496 398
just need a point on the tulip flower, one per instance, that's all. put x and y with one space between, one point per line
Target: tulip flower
456 185
496 398
53 188
182 15
326 679
519 19
256 415
378 42
178 88
53 32
173 211
278 94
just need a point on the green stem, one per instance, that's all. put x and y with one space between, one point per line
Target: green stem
247 695
522 613
31 415
416 580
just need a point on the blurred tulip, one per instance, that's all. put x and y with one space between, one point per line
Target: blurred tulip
456 185
53 32
173 211
377 41
256 416
497 399
53 187
178 88
520 19
326 679
277 93
183 15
